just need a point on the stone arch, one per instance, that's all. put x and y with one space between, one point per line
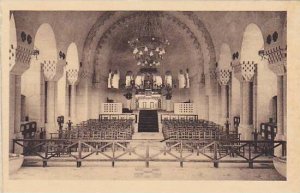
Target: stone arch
108 18
252 42
63 100
167 17
225 57
33 80
45 42
72 57
263 89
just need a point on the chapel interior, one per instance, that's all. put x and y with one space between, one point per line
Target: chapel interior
161 75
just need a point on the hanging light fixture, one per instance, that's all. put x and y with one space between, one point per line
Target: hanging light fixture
149 47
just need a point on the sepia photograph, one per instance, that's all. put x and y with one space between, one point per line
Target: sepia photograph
145 95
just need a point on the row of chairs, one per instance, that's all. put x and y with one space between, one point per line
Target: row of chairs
192 130
103 129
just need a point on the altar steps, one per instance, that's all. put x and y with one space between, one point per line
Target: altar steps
148 121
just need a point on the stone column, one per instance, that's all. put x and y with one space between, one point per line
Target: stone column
213 96
206 107
223 76
53 71
19 62
280 111
276 56
73 103
245 73
98 100
51 106
18 102
86 76
72 79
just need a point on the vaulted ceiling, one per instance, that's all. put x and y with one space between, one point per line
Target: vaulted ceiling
101 37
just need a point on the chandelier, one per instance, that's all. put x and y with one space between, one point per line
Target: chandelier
149 47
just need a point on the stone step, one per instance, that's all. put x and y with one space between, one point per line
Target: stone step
148 135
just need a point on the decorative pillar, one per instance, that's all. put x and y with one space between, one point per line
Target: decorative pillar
245 73
98 98
53 71
276 56
19 62
72 78
223 76
86 77
213 96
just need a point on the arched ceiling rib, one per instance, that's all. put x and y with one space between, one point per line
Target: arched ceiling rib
101 29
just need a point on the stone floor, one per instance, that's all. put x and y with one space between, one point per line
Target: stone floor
138 171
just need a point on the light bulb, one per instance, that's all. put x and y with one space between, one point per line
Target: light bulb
135 51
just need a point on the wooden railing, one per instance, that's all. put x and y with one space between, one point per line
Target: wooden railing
181 151
126 116
178 117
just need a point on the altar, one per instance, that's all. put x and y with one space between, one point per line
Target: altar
148 102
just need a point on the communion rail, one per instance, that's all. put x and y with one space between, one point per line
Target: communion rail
79 150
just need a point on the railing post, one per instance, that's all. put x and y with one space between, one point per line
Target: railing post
250 159
283 146
181 162
79 154
216 163
255 136
46 155
13 147
97 147
147 155
113 151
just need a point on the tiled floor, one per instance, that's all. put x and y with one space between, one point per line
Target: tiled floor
156 171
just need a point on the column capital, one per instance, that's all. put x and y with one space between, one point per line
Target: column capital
223 76
276 56
53 70
245 70
212 73
85 74
72 76
19 59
